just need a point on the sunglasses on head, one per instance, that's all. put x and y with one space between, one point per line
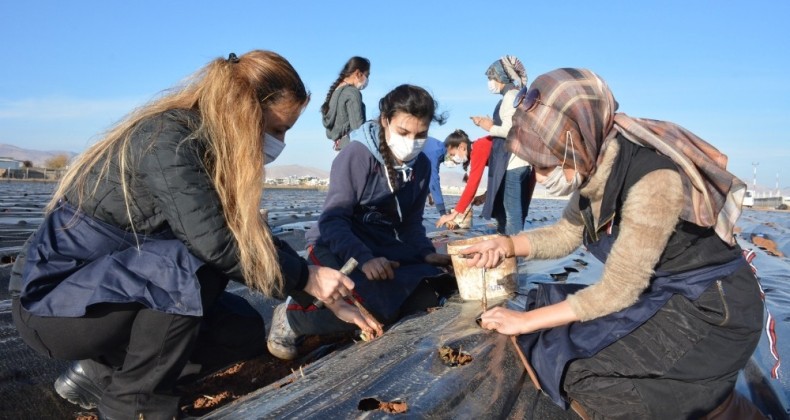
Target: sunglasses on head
527 99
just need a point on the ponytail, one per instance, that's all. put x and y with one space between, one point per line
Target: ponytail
325 106
353 64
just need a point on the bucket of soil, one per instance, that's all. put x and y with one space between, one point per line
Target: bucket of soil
499 281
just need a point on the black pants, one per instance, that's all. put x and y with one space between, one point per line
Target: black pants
138 354
313 321
681 363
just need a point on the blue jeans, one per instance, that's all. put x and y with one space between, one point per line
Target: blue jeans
516 199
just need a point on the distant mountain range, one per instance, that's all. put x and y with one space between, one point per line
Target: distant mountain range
38 157
450 177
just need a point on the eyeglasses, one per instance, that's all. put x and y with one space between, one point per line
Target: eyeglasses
527 99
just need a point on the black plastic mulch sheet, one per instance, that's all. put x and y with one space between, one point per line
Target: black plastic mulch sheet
404 366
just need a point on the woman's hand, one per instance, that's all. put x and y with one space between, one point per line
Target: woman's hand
441 260
350 313
506 321
380 269
483 122
490 253
448 219
327 284
511 322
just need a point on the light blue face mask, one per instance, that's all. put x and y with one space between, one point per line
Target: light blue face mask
556 184
272 147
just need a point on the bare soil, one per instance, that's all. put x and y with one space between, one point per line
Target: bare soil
454 357
768 245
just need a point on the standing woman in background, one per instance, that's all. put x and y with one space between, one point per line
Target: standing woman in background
510 178
148 226
343 110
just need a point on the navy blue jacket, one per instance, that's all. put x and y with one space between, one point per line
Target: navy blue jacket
435 151
361 216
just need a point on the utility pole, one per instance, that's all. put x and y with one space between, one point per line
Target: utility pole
778 191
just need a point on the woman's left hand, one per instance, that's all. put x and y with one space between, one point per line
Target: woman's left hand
441 260
327 284
505 321
349 313
447 219
490 253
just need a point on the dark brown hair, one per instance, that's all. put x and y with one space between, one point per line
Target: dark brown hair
409 99
353 64
457 137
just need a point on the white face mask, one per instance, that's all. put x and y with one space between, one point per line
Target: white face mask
404 148
459 159
363 85
493 86
556 184
272 147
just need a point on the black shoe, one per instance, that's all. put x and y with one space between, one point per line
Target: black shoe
78 388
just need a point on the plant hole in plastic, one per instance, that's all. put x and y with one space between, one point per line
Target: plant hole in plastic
392 407
452 357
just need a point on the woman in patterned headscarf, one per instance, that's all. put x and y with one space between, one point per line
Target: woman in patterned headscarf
676 312
510 178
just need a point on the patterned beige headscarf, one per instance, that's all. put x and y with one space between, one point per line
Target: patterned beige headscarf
578 102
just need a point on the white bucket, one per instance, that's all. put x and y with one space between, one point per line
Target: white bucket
499 281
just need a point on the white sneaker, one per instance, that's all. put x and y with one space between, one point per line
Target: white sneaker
282 339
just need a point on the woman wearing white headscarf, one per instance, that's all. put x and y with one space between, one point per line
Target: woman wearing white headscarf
510 178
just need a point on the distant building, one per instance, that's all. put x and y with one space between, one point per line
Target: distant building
10 163
748 198
298 180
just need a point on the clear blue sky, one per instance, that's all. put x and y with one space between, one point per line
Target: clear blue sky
720 68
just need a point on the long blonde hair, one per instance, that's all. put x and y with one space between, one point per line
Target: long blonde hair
230 95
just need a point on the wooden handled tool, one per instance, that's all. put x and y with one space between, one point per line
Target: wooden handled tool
346 269
483 290
531 372
349 266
